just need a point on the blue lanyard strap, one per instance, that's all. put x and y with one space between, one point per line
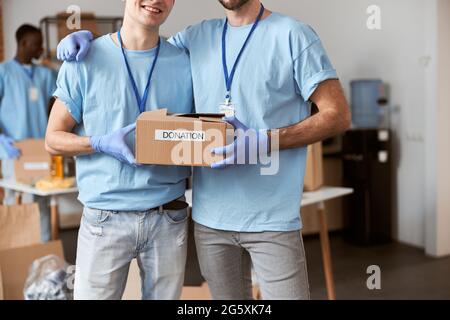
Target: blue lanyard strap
140 101
29 73
229 78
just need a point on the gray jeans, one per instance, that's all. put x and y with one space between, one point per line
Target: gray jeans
278 259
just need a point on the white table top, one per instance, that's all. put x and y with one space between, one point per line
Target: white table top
19 187
324 194
309 198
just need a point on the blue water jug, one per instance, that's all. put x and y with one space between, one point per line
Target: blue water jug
365 95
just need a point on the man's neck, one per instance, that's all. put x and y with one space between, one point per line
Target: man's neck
245 15
23 58
137 37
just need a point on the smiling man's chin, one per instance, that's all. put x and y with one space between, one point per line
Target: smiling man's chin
233 4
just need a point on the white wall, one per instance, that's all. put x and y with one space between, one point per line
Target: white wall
396 54
441 245
430 136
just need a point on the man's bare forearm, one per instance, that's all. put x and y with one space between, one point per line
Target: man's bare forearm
59 139
333 118
318 127
67 144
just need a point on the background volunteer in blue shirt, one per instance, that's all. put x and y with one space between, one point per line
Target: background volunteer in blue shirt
244 217
26 92
131 211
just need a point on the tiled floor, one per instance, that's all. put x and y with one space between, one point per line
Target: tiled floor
406 273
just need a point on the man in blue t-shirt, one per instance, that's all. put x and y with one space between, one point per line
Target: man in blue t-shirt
131 211
263 70
26 92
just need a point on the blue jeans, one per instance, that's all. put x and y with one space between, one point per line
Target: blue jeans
109 240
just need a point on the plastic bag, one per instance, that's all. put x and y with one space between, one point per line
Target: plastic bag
48 280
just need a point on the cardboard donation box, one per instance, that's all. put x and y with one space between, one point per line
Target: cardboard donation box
19 247
180 139
34 162
314 168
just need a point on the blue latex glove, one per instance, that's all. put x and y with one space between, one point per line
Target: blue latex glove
245 149
8 145
75 46
115 145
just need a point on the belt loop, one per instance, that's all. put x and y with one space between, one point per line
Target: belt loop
161 209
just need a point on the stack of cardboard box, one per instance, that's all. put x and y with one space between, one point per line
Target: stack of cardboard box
33 165
19 246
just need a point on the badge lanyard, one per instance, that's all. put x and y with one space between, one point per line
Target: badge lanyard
33 93
229 77
140 101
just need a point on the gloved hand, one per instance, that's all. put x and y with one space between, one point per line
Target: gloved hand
8 145
245 149
115 145
75 46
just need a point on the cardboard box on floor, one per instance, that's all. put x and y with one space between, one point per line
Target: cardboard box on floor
314 168
15 264
20 246
180 139
33 164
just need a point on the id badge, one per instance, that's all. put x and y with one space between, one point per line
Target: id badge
33 94
227 109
